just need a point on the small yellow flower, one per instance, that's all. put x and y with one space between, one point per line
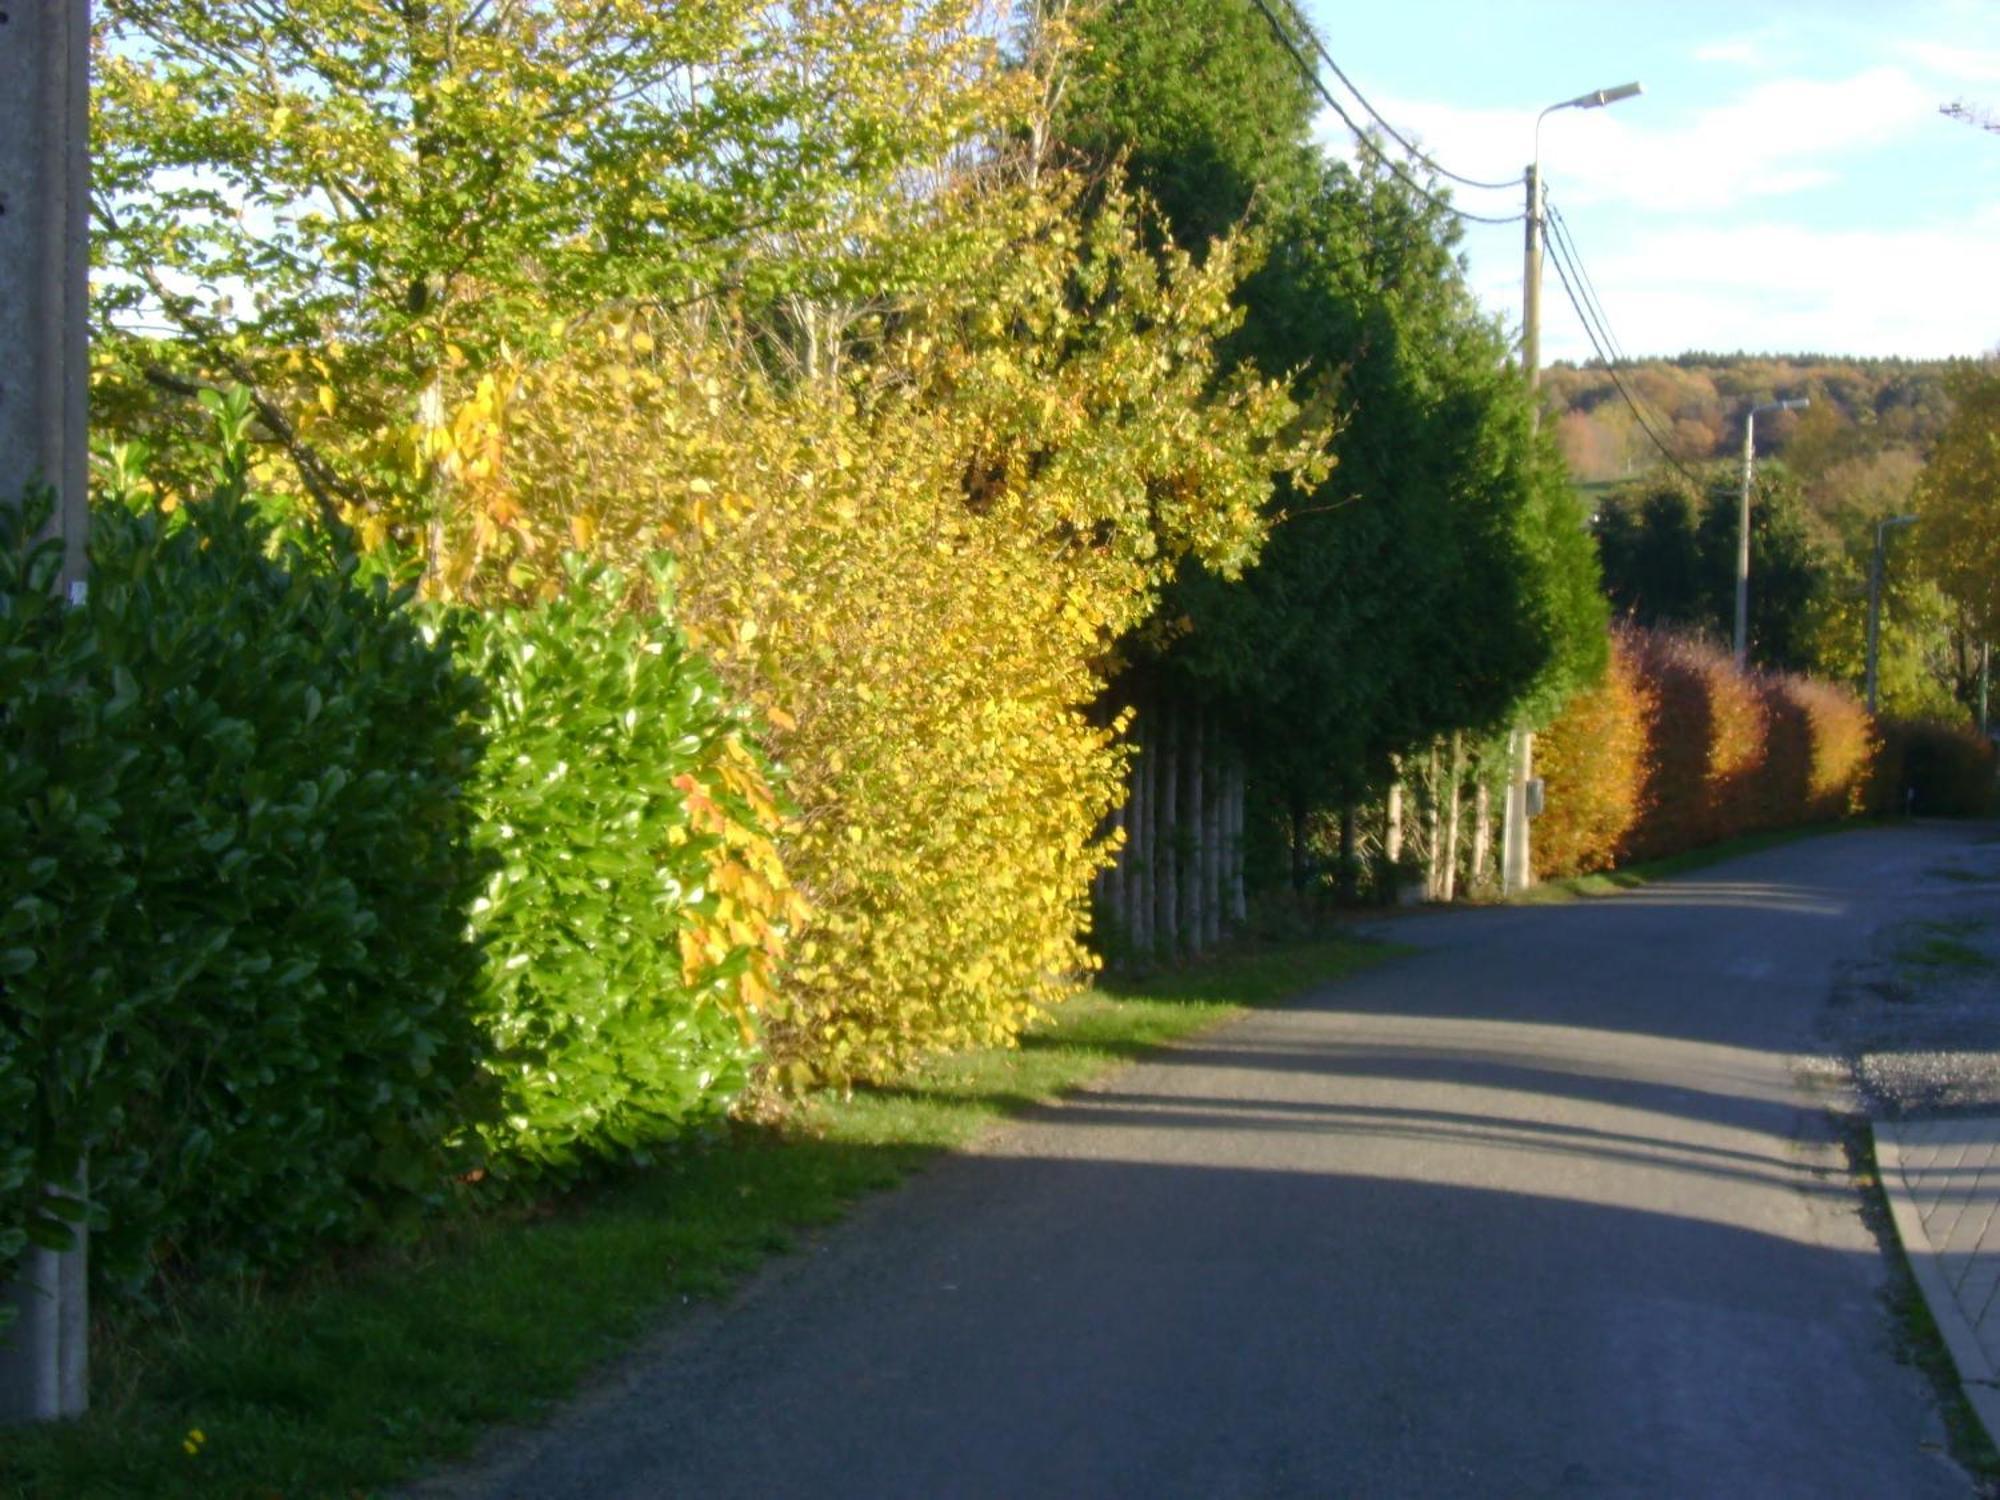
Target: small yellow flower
191 1444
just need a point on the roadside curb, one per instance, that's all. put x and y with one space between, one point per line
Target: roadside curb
1900 1178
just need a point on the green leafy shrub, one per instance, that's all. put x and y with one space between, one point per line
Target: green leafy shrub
61 887
636 906
237 860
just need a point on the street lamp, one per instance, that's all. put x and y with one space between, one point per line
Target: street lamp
1882 528
1515 869
1743 524
1531 278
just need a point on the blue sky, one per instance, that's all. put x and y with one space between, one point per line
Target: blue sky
1785 183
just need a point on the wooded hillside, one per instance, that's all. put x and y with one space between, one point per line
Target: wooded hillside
1861 443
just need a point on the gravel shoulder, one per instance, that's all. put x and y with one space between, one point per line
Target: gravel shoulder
1916 1020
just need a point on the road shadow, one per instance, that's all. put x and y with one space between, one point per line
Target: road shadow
1060 1326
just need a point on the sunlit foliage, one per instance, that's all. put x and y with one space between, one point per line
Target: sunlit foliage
912 553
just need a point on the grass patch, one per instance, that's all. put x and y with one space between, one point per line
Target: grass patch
1645 872
361 1375
1941 947
1918 1341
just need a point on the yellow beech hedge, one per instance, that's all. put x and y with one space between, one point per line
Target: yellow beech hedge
910 537
1593 761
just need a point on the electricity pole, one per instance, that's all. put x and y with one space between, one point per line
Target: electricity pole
1531 287
44 192
1516 867
1743 525
1882 528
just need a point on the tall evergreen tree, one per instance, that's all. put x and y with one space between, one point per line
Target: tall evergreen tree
1442 579
1669 560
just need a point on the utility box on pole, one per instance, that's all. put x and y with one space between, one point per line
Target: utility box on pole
44 388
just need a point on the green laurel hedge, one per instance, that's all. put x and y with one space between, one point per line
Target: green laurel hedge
311 903
235 855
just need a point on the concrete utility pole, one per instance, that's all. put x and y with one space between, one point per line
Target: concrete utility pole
1882 528
44 269
1531 287
1743 524
1516 866
44 265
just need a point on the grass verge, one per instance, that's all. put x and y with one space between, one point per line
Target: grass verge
364 1374
1645 872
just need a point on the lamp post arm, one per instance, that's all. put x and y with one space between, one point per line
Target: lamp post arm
1536 159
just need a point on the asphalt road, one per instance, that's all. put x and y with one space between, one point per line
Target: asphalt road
1550 1208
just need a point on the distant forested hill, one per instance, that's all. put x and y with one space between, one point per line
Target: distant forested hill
1825 476
1860 443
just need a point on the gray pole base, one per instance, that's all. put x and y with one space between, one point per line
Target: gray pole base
45 1353
1516 863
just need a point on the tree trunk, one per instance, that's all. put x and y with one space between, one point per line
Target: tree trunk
1392 833
1166 847
1348 891
1113 876
1139 894
1100 878
1297 810
1239 906
1194 890
1433 840
1482 833
1448 884
1211 839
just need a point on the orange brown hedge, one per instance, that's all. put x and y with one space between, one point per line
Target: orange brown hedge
1677 748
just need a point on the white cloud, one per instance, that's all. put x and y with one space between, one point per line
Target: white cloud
1780 287
1743 50
1779 136
1961 64
1751 49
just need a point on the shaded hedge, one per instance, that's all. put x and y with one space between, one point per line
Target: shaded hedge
1679 749
1933 769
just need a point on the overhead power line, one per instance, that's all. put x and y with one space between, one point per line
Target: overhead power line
1377 116
1560 261
1559 229
1362 138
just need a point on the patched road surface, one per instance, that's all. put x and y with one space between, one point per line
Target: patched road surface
1552 1207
